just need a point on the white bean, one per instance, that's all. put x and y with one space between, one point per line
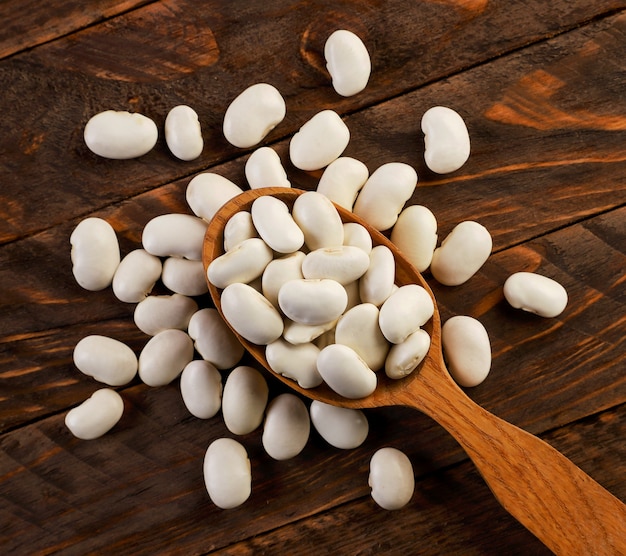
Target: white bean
297 333
467 349
535 293
404 357
342 180
95 253
297 362
105 359
319 141
264 169
183 134
319 220
243 263
244 400
357 235
227 473
344 263
164 357
174 235
385 193
251 314
415 234
410 307
207 192
161 312
348 62
238 228
201 389
391 478
341 427
96 416
358 328
446 139
120 135
279 271
253 114
461 254
286 428
184 276
345 372
376 285
275 224
136 275
312 301
213 339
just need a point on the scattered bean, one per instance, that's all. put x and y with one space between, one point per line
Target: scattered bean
244 400
461 254
319 141
120 135
183 134
136 275
175 235
95 253
287 427
164 357
96 416
415 234
207 192
341 427
535 293
264 169
184 276
214 340
377 282
253 114
162 312
391 478
319 220
446 140
275 224
385 193
467 349
348 62
342 180
201 389
227 473
105 359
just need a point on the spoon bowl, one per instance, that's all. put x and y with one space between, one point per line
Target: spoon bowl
554 499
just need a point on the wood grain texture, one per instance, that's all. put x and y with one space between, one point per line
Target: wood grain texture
543 103
53 90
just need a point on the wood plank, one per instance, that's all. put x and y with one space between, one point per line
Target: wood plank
55 89
127 492
29 23
451 513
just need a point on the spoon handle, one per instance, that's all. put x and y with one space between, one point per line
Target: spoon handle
553 498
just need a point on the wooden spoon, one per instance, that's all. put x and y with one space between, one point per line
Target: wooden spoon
561 505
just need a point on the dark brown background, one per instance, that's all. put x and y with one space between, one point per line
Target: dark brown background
542 87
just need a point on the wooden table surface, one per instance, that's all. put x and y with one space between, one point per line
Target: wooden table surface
542 88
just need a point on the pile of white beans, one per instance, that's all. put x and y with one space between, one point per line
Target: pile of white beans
286 259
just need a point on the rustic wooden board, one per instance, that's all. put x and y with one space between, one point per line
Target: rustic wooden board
53 90
542 101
